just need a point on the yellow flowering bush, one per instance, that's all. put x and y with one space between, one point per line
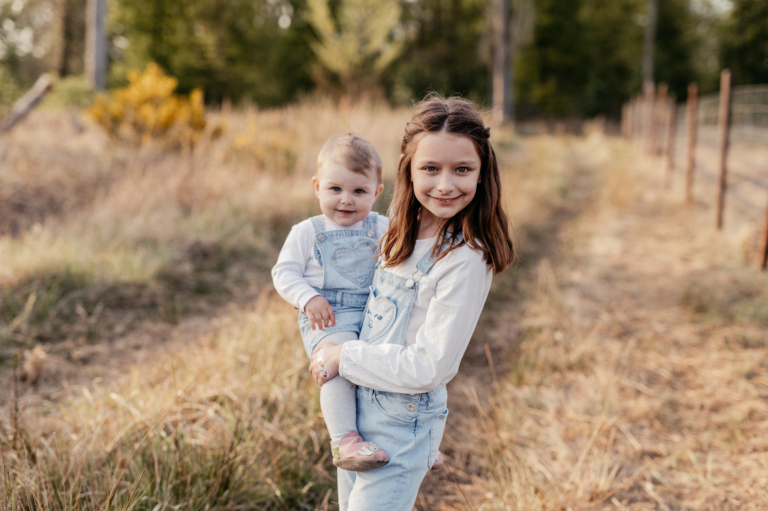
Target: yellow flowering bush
266 146
147 109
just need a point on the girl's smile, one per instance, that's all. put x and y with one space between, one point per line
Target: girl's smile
445 170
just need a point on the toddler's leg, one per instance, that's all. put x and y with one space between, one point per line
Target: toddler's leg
337 397
338 401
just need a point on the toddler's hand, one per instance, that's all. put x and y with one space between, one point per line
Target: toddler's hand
320 312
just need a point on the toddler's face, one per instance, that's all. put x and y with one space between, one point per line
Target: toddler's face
346 197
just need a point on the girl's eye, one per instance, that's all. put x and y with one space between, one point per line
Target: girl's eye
462 170
430 168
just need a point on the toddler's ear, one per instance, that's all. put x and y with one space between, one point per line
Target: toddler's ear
379 189
316 185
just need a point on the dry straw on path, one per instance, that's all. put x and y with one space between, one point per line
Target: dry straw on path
621 364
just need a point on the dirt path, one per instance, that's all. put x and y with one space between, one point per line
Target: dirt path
631 355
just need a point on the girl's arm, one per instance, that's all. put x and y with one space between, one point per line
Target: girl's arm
288 272
440 342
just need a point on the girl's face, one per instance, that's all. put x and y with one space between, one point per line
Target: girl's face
445 170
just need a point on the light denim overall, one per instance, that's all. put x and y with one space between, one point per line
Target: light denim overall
409 427
347 258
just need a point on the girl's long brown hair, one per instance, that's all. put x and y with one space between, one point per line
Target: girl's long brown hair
483 224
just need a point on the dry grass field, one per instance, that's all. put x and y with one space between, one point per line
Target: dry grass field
621 364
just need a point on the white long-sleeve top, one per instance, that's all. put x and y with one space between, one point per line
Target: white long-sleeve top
296 274
445 312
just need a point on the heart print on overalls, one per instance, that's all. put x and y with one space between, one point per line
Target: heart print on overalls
380 313
345 260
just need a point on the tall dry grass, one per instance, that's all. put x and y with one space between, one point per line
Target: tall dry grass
640 373
602 374
136 236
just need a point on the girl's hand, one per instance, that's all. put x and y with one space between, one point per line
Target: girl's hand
320 312
331 357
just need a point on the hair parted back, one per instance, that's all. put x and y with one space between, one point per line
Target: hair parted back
482 224
353 152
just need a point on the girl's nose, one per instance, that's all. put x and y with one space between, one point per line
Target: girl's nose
445 182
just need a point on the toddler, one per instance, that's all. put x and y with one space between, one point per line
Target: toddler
325 269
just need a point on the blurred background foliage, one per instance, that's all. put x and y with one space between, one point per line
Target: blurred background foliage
574 58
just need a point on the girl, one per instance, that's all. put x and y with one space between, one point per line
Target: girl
448 234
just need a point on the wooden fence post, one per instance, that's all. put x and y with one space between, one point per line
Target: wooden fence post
671 133
692 105
625 121
763 257
659 117
649 94
724 123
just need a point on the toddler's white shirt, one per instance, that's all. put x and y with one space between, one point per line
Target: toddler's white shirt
445 312
296 274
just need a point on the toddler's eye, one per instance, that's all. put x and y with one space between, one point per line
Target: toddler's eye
335 188
359 191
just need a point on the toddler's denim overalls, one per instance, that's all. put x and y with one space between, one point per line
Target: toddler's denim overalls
347 258
409 427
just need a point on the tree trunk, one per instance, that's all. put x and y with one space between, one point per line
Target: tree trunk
502 101
96 44
650 37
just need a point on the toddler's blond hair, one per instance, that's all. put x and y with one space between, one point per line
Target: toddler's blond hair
353 152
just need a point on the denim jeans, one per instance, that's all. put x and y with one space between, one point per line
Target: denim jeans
409 428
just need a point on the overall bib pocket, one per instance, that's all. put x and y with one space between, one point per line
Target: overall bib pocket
346 262
380 314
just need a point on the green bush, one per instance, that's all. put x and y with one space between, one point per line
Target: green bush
71 91
9 90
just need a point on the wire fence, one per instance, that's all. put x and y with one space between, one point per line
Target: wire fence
720 140
749 114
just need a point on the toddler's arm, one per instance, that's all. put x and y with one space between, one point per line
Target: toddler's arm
288 272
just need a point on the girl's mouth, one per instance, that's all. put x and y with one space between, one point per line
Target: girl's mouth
446 200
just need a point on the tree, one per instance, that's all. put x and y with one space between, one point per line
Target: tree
239 49
553 72
361 44
649 41
745 47
501 93
447 51
96 44
615 38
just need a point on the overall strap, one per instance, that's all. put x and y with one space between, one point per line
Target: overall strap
370 223
426 263
318 223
